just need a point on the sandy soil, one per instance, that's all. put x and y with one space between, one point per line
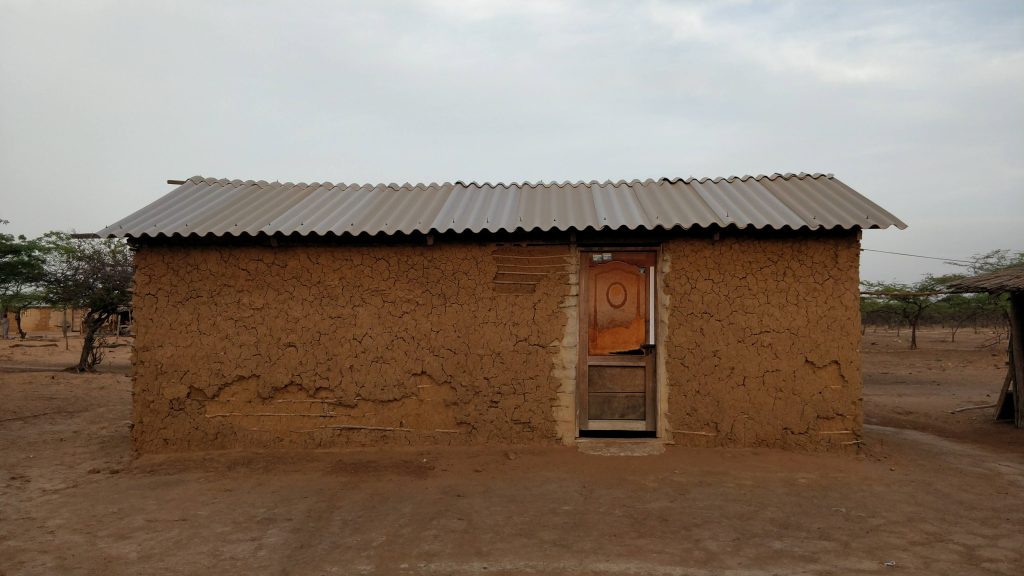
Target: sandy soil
933 492
919 389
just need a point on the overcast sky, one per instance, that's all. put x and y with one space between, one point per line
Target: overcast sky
917 105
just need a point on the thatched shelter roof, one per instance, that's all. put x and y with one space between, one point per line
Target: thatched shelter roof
1006 280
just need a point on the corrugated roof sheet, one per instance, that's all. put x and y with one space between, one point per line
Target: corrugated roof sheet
208 206
1006 280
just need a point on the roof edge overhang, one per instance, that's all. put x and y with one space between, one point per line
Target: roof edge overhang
581 236
471 232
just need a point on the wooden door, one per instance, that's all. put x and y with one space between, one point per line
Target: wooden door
617 353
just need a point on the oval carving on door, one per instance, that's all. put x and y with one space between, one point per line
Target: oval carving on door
616 295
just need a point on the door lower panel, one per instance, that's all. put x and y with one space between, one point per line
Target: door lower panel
617 406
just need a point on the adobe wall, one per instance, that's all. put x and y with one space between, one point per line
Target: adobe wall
763 341
328 346
32 320
47 320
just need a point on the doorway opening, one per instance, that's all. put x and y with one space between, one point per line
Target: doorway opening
617 394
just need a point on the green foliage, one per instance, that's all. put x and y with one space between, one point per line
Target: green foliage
957 310
87 273
22 269
21 265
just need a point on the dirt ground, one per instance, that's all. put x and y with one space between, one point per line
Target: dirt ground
932 492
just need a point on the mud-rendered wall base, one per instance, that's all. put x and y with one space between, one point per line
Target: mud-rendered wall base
327 346
763 342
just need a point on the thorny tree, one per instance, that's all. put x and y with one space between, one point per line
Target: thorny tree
907 301
92 274
991 261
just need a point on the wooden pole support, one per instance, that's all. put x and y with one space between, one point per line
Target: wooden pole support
1017 344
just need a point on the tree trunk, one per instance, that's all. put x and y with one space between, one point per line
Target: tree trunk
91 324
913 334
17 322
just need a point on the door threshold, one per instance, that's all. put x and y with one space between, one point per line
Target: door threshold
619 434
617 426
618 446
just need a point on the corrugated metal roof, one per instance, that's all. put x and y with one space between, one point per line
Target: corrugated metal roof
1005 280
207 206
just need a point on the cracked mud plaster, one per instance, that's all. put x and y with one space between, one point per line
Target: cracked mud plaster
763 344
333 346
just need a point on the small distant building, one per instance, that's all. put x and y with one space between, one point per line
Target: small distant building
705 312
46 320
1010 405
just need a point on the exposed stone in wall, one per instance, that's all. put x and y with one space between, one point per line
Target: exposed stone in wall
664 326
566 362
763 342
324 346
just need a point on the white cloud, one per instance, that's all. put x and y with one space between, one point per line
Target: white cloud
775 42
483 10
685 22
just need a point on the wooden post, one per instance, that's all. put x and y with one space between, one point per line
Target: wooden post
64 328
1017 342
1001 402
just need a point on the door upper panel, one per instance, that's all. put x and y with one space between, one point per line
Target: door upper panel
618 305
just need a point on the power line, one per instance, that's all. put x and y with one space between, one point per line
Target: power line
918 256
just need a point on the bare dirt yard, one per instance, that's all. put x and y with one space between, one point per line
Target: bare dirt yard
930 493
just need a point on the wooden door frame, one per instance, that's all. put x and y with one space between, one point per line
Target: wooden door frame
650 424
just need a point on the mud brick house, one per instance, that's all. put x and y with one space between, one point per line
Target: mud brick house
703 312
